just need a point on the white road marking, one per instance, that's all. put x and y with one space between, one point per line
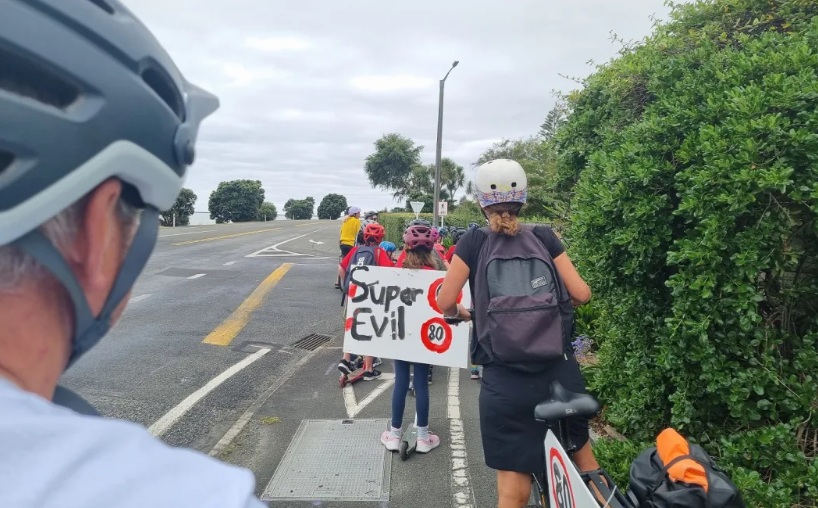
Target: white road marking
190 233
163 424
331 367
237 427
461 490
274 251
352 404
140 298
198 275
230 263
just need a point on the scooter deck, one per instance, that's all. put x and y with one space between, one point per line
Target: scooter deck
408 443
352 377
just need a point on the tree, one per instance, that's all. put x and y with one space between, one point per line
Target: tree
399 209
267 211
452 176
538 158
555 118
236 201
182 209
332 206
299 209
392 164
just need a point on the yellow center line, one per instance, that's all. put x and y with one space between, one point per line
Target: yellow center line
234 235
230 328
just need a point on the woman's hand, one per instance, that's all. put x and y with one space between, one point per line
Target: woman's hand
465 315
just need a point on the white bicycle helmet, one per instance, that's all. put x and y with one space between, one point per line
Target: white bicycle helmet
501 181
86 94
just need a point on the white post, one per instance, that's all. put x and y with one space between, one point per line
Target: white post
174 218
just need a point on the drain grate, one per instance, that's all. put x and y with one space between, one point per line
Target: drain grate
312 342
332 460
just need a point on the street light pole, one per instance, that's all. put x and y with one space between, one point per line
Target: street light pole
436 217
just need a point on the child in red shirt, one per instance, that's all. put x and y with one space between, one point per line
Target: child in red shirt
373 235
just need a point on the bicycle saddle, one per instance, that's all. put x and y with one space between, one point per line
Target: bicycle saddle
565 404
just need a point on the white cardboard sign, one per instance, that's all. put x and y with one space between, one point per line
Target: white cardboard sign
393 313
565 486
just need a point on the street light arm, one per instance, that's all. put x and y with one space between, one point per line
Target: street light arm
450 70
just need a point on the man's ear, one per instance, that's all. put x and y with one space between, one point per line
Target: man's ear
96 255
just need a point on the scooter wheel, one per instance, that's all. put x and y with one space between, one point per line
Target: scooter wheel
403 451
342 381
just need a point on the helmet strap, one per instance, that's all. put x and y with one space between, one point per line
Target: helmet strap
88 330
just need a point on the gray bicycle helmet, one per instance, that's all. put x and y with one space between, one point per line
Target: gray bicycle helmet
88 94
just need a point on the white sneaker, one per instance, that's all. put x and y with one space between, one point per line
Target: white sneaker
391 442
429 444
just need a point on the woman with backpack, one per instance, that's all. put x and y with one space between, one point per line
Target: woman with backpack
418 247
369 254
532 300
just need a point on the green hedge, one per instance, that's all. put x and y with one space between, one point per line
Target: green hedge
395 223
695 220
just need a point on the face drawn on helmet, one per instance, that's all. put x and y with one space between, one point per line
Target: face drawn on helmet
501 181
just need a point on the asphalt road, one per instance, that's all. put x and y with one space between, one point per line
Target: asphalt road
206 357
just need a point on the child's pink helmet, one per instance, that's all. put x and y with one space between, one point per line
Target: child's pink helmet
418 236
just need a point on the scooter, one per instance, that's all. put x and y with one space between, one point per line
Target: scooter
355 375
409 441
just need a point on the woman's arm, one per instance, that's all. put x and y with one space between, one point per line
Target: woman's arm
456 278
577 288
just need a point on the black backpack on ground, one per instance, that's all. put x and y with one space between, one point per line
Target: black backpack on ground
652 487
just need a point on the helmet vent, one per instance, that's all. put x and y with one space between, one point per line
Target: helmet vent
6 158
24 77
102 4
162 85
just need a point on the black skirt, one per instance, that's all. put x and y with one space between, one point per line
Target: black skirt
512 438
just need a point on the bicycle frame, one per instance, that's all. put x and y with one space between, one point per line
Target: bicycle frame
563 486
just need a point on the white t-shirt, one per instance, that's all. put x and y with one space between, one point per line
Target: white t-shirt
52 457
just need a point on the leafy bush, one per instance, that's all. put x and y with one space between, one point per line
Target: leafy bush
395 223
695 220
616 457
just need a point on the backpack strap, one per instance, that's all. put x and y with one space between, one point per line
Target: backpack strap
69 399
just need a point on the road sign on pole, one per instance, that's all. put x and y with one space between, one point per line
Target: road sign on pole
443 208
417 207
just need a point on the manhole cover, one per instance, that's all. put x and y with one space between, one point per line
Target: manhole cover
312 342
333 460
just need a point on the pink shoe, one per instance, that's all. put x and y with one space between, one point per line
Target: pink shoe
391 442
427 445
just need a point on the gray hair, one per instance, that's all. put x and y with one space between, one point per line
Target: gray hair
17 266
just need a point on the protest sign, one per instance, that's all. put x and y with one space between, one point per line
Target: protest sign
393 313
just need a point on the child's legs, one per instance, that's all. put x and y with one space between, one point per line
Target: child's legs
399 392
421 394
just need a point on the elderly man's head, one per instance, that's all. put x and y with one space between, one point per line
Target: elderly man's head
83 148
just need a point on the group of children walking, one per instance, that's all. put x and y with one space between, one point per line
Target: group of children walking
422 250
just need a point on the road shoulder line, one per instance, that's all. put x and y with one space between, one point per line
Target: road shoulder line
462 493
245 418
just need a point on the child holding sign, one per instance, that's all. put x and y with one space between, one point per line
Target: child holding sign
368 254
419 254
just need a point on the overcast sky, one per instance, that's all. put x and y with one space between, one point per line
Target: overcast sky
307 87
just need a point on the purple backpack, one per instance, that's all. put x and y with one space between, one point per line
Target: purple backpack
525 312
